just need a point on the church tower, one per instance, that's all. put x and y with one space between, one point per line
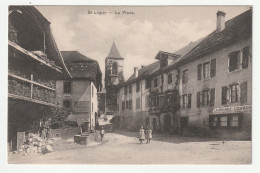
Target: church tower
113 76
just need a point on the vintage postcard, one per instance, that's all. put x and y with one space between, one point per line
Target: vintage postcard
129 84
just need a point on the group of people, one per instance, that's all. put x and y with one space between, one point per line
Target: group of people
145 134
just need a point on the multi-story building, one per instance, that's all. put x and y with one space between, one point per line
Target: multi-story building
133 98
114 64
211 79
79 93
34 64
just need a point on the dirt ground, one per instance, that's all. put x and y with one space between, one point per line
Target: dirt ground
124 148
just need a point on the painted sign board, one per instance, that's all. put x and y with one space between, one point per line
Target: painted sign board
233 109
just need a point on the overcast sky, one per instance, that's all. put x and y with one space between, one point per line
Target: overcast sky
138 36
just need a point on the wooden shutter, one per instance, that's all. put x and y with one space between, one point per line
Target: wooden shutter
245 57
198 99
224 95
199 71
212 97
189 100
213 68
243 92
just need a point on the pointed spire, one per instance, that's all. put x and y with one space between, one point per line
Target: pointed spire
114 53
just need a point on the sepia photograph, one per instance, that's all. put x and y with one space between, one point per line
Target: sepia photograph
129 84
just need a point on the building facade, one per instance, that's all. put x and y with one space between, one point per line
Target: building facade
34 65
79 94
206 85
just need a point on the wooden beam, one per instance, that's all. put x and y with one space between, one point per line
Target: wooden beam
30 81
31 100
31 55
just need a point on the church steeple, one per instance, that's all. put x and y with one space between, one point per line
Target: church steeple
114 53
114 64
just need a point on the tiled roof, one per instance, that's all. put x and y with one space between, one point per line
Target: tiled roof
80 66
114 53
149 69
183 51
75 56
236 29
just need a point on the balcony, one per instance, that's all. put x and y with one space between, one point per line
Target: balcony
23 88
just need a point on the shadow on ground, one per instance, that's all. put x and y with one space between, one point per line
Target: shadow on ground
173 138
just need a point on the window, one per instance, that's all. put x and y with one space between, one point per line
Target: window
138 103
225 121
234 121
205 97
67 87
224 95
245 57
185 76
125 90
213 68
92 107
130 103
147 101
123 105
147 83
130 89
66 103
169 78
169 99
126 105
206 70
155 82
137 86
186 101
162 101
212 97
234 93
243 92
234 61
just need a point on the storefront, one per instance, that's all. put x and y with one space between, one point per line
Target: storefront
229 117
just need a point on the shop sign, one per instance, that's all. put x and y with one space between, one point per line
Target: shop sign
233 109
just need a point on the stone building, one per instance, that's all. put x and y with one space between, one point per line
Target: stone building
34 65
208 83
114 64
79 93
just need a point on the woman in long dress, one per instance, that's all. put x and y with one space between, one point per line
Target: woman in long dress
142 135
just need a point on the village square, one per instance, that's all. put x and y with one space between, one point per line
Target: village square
188 105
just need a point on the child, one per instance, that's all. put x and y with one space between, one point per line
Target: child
149 135
102 133
142 135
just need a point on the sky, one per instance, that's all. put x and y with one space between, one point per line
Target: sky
139 32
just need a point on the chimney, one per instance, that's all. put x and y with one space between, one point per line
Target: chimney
220 21
135 72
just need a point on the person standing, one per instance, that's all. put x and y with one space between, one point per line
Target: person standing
142 135
102 133
149 135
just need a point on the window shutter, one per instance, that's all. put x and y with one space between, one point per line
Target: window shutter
198 99
213 68
243 92
199 71
189 100
224 95
245 57
212 97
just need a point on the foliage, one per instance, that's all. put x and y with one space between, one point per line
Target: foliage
55 115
